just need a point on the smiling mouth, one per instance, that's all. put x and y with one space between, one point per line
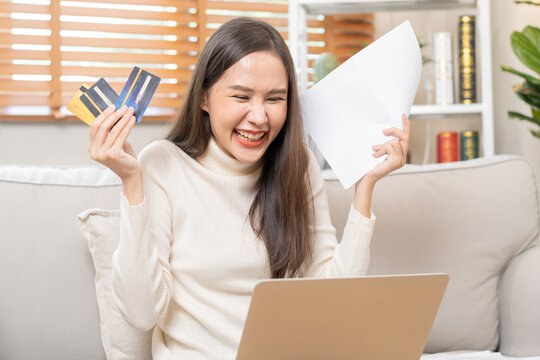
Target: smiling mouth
249 137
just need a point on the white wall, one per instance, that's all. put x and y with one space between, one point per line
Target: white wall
66 143
60 144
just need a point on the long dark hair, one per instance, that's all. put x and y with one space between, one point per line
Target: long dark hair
282 212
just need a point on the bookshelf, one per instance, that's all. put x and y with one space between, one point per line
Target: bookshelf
483 108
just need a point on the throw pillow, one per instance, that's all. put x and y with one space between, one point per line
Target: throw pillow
101 228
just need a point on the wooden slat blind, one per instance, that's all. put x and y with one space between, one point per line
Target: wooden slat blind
22 57
49 47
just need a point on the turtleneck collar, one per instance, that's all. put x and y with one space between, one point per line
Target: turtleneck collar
214 159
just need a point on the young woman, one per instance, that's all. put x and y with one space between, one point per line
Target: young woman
230 197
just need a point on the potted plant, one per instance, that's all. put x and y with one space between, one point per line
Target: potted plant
526 46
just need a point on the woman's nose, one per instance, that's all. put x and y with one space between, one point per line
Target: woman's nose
257 114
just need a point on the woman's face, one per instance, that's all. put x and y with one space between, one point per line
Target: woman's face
248 105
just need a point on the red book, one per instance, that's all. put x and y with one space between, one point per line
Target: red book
447 146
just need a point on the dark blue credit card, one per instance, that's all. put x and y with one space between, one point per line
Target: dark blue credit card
98 97
138 91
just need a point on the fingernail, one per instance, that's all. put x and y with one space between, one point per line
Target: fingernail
124 107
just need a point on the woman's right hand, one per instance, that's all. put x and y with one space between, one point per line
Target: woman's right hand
108 145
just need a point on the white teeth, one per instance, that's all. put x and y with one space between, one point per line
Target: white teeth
249 136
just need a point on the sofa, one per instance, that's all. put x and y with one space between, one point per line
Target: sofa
476 220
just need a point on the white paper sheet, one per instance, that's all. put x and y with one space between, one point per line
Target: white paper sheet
346 112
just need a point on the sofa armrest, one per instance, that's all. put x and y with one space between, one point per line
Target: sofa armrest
520 305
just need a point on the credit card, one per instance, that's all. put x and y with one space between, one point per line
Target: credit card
79 109
138 91
84 87
99 97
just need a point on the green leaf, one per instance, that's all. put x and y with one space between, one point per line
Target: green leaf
530 100
535 133
529 2
516 115
531 86
525 89
526 51
531 89
528 95
535 82
533 34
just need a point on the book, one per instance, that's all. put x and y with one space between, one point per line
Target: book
447 146
468 145
444 78
467 61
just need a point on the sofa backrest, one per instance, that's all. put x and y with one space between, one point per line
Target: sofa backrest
469 219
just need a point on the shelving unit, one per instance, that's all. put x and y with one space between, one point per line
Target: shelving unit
299 9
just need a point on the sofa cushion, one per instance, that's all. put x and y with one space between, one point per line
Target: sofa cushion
121 341
48 304
467 219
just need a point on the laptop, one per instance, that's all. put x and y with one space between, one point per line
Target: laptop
371 317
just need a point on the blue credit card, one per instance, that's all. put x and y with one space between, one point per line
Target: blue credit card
138 91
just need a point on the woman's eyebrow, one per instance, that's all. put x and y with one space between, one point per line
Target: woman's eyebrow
249 90
278 91
240 88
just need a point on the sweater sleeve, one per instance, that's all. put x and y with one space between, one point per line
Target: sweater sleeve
141 279
351 256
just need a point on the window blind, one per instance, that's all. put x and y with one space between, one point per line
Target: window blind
49 47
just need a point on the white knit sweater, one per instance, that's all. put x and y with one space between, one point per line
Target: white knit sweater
188 258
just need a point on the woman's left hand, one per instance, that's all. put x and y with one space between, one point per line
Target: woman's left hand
397 156
396 150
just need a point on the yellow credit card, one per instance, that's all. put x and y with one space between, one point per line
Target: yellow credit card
79 109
